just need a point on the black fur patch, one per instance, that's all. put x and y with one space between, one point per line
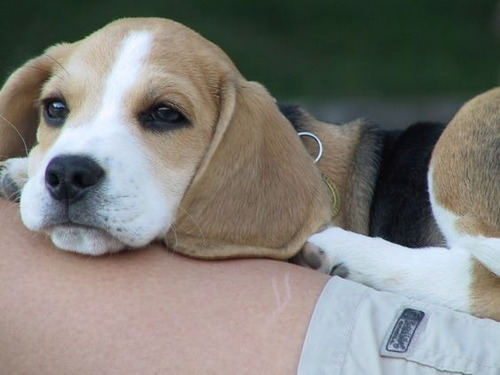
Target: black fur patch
397 162
295 115
401 211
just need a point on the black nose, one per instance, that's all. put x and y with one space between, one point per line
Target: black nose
70 177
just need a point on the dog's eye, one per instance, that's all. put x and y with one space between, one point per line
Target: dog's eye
167 114
162 117
55 112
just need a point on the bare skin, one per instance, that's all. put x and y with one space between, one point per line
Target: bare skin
147 311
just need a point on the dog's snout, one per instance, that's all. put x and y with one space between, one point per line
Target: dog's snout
70 177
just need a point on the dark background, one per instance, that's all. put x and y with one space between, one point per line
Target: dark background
392 60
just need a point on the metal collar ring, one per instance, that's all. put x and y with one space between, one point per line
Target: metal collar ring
318 141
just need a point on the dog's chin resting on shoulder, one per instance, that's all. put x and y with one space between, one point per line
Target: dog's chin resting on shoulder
85 240
183 149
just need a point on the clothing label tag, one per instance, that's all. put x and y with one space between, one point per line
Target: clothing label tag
403 331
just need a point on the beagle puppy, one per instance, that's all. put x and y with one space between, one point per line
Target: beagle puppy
145 131
464 193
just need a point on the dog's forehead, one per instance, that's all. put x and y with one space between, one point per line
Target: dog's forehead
171 46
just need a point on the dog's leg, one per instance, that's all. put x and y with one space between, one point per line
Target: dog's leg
13 176
434 275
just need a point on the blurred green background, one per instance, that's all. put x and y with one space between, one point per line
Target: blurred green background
318 52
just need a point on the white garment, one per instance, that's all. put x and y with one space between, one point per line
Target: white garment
358 330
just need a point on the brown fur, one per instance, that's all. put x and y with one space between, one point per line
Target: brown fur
485 300
350 160
246 191
466 166
466 182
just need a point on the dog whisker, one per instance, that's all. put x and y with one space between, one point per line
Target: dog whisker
18 133
193 220
49 72
175 237
36 236
11 209
58 63
15 196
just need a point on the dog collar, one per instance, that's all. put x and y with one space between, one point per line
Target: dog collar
334 195
332 188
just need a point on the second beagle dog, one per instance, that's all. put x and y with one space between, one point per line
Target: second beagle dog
464 192
146 131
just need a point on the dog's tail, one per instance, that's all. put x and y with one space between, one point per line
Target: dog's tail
486 250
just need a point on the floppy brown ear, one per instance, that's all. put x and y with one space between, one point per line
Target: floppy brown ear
257 192
19 116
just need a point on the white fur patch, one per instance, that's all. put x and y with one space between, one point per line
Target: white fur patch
445 219
435 275
124 74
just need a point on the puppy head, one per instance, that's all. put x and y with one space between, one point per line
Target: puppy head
147 131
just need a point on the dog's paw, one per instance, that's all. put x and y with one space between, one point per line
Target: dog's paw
322 258
339 253
13 176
